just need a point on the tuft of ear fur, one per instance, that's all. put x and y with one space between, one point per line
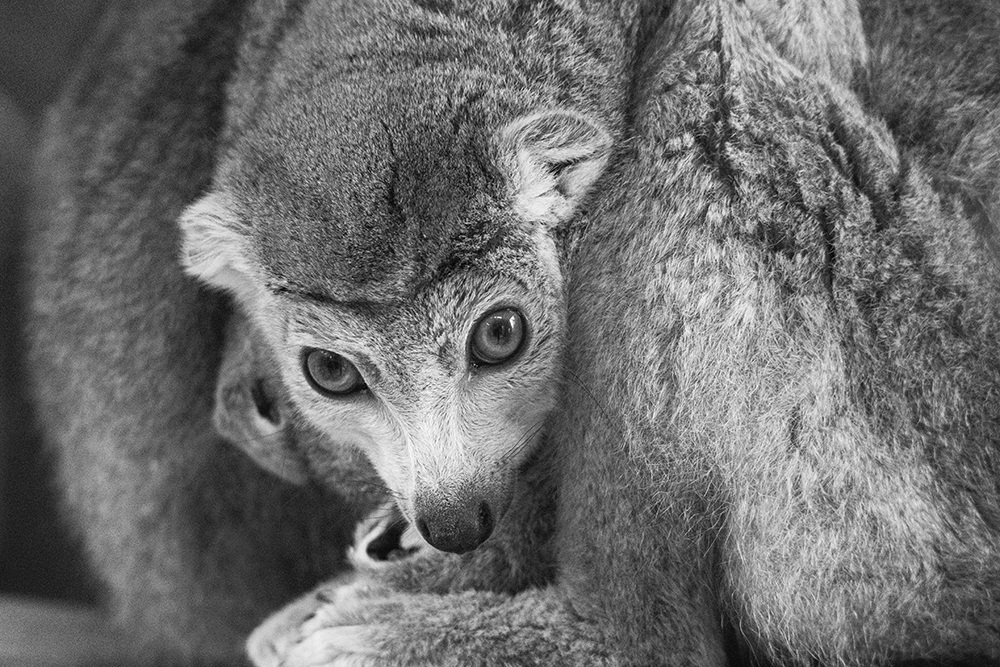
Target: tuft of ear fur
213 248
555 157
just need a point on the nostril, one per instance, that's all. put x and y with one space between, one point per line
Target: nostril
424 531
458 524
485 519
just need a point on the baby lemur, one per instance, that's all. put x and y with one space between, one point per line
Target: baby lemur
782 416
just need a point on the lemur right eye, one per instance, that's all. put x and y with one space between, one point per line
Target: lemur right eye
497 337
330 373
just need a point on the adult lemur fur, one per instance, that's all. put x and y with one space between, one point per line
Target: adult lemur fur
193 543
782 413
778 319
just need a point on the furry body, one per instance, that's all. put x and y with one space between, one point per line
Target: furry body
799 436
193 542
796 439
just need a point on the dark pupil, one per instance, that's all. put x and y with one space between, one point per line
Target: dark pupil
332 371
500 331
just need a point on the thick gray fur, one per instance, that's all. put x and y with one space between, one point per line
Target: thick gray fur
797 439
193 542
782 412
412 95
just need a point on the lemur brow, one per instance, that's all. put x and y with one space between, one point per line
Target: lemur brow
298 292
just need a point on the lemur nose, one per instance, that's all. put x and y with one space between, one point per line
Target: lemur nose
457 523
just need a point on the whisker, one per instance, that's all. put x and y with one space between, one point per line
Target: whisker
605 413
525 440
554 455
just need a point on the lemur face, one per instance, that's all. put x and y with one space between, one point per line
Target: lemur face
405 273
447 395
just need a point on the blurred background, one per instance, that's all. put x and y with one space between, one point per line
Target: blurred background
39 41
47 617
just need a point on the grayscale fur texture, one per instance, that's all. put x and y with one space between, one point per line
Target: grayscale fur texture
144 382
193 543
781 407
388 173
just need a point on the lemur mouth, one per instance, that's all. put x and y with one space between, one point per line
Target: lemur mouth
388 544
384 537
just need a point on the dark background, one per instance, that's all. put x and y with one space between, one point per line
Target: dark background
39 42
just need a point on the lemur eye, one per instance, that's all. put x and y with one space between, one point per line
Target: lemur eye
497 336
330 373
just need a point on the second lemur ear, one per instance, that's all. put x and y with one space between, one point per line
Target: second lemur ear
252 409
213 249
554 158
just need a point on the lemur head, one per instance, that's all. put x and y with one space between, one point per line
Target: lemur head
398 253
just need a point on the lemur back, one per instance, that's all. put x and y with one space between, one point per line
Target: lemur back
807 392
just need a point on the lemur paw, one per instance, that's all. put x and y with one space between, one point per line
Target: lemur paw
317 630
274 638
336 646
324 627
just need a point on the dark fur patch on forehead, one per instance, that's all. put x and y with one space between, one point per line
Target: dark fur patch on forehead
367 190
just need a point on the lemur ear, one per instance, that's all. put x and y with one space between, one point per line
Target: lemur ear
213 248
555 157
252 409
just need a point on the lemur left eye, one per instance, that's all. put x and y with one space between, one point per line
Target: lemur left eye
330 373
497 336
